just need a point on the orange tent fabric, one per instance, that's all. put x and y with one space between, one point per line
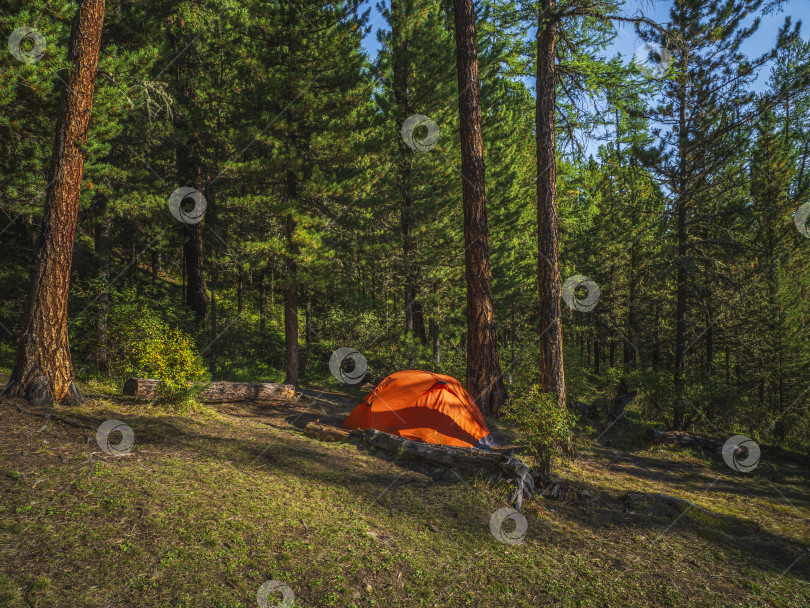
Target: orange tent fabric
421 405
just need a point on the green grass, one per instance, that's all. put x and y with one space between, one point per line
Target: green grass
208 507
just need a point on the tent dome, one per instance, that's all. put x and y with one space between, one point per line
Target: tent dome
424 406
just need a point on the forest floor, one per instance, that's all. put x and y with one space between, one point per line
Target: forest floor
210 505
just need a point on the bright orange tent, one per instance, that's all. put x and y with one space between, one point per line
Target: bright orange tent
424 406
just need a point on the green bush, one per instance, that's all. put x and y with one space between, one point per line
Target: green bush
142 341
543 424
168 355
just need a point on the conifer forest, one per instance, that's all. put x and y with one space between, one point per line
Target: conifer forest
404 303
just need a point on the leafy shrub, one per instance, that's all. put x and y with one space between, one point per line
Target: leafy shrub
168 355
141 341
543 424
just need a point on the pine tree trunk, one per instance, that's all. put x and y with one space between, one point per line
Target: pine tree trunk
43 370
291 333
548 273
434 334
681 287
133 263
308 324
262 301
183 273
212 211
291 283
213 366
709 344
629 350
21 231
414 317
708 298
418 317
484 378
240 288
103 252
195 287
189 172
588 353
727 359
407 301
155 267
291 301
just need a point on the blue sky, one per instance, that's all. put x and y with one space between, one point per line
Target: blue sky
626 42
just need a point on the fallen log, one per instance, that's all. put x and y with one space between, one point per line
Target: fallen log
325 433
715 446
470 459
217 392
682 438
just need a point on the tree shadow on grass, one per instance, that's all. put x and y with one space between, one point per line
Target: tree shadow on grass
406 487
459 510
692 478
742 539
378 481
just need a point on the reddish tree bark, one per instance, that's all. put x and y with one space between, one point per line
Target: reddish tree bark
484 379
548 272
43 370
